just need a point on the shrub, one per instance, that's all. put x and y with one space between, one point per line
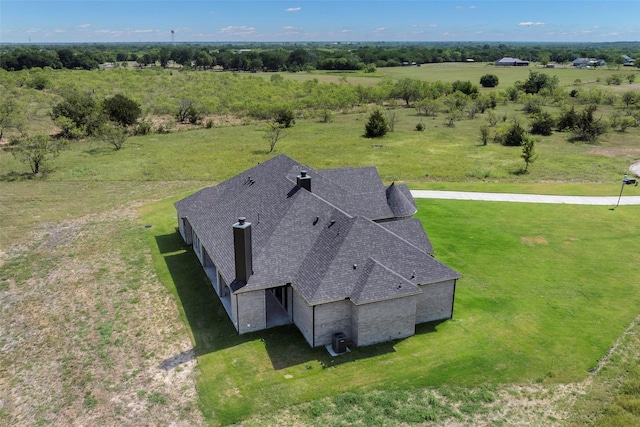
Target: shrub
122 110
377 126
465 87
587 127
284 116
542 124
511 135
567 120
420 127
489 80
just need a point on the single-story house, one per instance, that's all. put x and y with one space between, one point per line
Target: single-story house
334 251
588 62
628 61
511 62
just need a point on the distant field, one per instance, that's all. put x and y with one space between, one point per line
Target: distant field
100 296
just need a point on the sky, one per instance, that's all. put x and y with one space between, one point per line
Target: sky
94 21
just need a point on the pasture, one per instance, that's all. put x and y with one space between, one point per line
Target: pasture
109 315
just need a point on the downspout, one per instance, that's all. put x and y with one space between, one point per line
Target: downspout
453 299
237 316
313 327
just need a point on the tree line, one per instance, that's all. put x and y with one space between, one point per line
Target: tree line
293 57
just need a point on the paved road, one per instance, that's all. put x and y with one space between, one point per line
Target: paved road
526 198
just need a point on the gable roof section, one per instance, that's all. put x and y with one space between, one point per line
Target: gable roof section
378 283
411 230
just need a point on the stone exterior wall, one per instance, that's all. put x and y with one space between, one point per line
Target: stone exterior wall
384 320
435 302
332 318
252 315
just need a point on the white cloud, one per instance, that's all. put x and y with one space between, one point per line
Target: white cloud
532 24
82 26
235 30
379 30
142 31
473 7
32 30
293 9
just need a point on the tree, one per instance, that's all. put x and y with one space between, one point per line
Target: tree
408 90
36 150
81 110
284 116
630 97
539 81
275 132
631 77
122 110
113 134
11 115
377 126
465 87
528 152
186 110
484 134
587 127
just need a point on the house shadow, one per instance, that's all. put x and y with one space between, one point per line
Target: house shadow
213 331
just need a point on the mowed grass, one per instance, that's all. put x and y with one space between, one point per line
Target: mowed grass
547 290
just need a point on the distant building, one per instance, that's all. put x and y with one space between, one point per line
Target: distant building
511 62
628 61
588 62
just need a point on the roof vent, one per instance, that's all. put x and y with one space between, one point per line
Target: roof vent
355 266
316 220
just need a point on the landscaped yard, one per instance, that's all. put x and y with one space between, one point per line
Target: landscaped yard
542 300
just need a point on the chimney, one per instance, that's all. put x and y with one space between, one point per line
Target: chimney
242 249
304 181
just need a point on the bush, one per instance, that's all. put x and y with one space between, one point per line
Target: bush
420 127
511 135
377 126
465 87
122 110
284 116
542 124
567 120
489 80
587 127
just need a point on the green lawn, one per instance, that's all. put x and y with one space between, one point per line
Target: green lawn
543 298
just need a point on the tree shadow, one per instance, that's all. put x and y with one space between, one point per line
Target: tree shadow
213 331
14 176
519 172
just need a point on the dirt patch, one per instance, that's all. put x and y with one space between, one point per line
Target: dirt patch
532 241
86 328
614 152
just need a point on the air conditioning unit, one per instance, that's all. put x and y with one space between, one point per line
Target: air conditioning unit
339 343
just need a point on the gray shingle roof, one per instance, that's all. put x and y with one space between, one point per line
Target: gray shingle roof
314 239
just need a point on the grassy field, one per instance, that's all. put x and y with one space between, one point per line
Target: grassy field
543 299
105 310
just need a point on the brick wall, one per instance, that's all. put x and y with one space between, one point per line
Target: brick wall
303 317
252 315
332 318
435 302
384 320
